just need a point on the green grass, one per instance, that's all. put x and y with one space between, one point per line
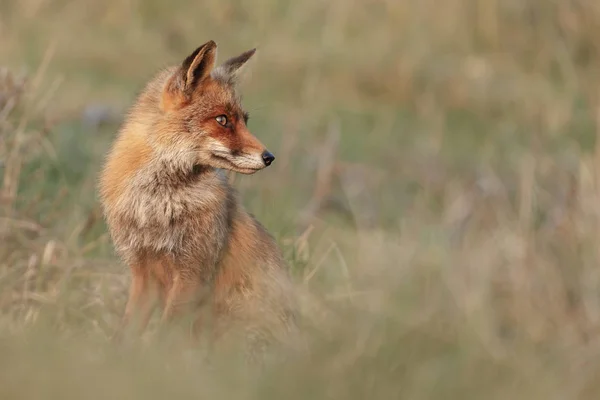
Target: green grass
468 134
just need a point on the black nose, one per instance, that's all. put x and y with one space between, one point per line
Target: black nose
267 157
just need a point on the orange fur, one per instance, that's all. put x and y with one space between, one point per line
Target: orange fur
172 215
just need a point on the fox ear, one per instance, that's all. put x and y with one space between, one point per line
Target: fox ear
194 69
230 69
198 65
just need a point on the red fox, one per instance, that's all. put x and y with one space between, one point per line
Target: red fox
171 213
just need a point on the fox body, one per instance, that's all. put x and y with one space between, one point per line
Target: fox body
172 215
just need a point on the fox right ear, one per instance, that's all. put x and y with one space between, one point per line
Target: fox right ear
193 70
230 69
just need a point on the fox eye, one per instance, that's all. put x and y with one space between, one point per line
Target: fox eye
222 120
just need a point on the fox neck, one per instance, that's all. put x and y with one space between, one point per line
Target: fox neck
172 169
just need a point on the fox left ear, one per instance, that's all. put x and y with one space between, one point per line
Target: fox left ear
198 65
231 68
193 70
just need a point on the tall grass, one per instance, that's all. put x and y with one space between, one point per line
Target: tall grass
436 192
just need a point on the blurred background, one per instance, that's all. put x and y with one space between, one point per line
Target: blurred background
436 192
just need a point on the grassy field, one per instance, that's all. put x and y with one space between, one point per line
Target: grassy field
436 193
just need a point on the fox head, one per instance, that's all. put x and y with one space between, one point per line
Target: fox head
201 116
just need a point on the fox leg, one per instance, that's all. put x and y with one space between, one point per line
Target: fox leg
141 301
183 294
